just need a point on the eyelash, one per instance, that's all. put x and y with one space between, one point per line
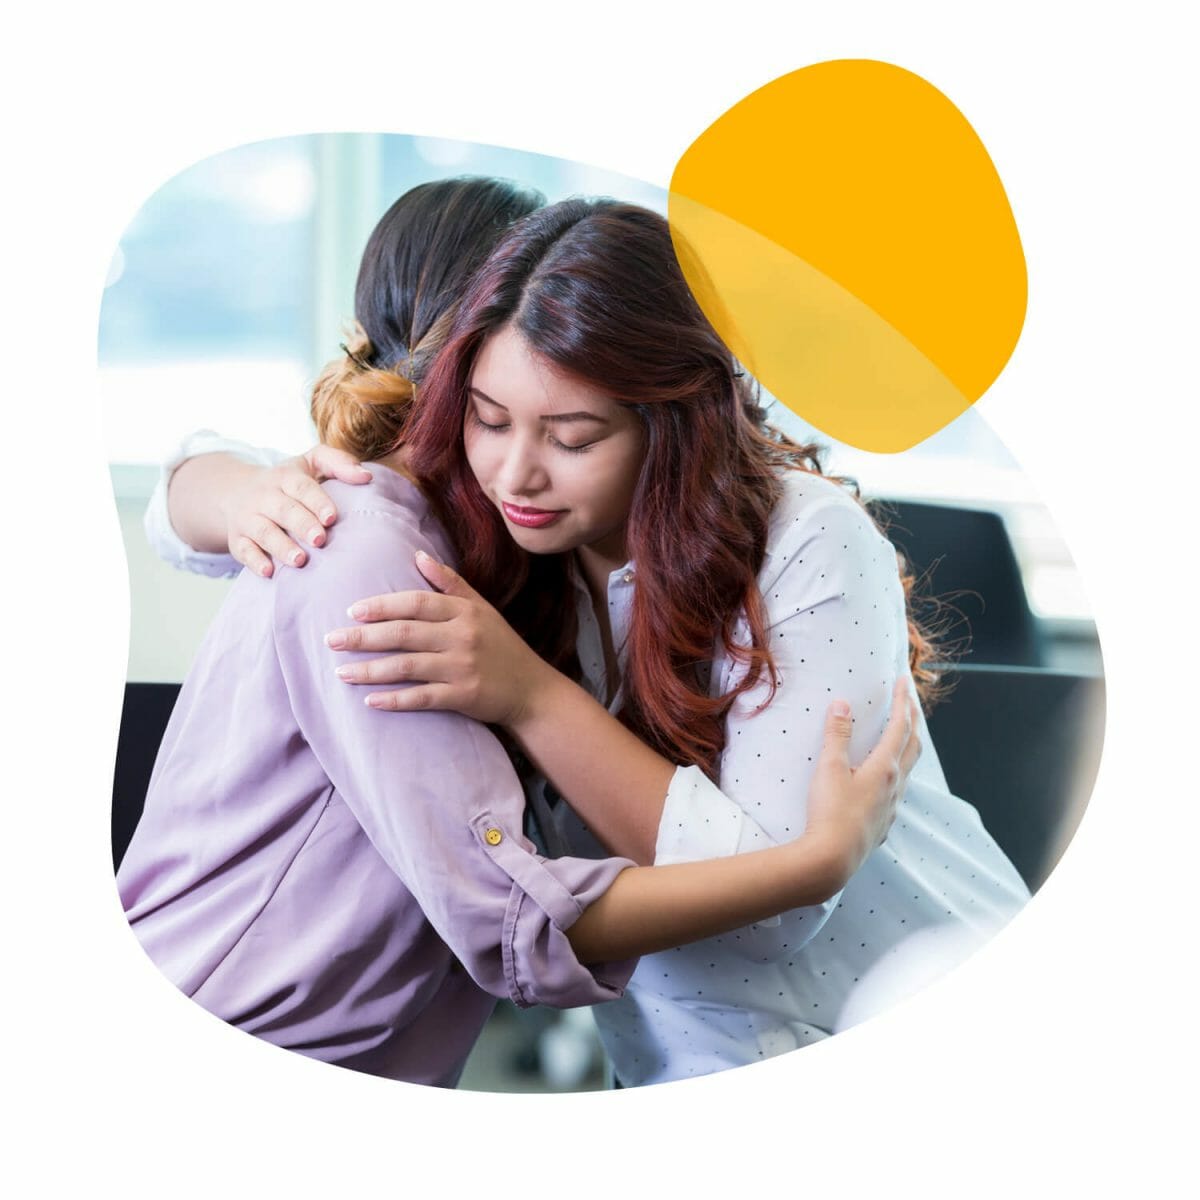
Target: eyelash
479 423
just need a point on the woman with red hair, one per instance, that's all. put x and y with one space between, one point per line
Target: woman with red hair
664 596
358 887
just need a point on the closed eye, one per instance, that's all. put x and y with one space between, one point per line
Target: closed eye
572 449
480 423
502 426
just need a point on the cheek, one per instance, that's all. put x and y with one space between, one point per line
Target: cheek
631 471
476 455
613 497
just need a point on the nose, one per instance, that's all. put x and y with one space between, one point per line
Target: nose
522 473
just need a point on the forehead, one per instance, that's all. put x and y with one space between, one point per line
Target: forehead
510 371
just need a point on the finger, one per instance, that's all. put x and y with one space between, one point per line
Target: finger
421 698
272 540
331 463
838 725
390 635
251 557
446 580
912 752
396 668
298 517
913 747
901 721
405 606
885 760
311 509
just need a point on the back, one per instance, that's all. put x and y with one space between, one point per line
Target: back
326 875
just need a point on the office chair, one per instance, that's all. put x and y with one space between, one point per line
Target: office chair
1023 746
144 719
965 558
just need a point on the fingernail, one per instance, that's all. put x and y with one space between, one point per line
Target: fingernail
345 672
335 640
841 708
316 535
265 570
357 611
423 557
326 515
296 557
366 472
374 701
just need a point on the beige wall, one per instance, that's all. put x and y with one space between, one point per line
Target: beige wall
169 609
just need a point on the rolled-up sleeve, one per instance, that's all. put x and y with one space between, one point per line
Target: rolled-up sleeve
434 791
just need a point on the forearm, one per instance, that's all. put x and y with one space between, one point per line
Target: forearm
648 909
615 782
195 495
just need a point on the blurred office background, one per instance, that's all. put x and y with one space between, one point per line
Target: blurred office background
232 286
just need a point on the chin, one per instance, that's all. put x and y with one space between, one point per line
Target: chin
534 542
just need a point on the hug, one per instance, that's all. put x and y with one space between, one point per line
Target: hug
591 689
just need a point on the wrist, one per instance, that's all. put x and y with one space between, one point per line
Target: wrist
236 476
542 694
827 865
198 495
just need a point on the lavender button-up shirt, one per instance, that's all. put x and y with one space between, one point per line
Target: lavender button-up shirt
341 881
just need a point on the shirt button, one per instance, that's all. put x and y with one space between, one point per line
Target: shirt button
493 836
627 577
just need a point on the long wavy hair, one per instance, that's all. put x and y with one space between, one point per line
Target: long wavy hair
595 287
415 267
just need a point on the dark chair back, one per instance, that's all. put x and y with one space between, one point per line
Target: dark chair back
1022 746
965 557
143 721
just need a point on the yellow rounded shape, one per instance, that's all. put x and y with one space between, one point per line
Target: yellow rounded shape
847 234
493 837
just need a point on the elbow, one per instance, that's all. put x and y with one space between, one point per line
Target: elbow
643 852
589 938
642 843
639 847
589 969
538 961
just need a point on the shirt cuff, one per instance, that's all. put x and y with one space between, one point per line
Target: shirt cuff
699 821
547 898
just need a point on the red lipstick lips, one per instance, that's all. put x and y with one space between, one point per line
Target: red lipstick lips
530 518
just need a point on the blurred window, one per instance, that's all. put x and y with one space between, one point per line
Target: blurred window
207 311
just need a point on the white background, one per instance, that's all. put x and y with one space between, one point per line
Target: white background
1062 1056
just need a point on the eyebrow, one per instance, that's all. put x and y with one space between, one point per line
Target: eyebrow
555 418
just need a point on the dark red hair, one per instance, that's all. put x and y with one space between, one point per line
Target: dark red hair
595 287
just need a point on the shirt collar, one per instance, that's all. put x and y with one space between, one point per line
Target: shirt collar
622 576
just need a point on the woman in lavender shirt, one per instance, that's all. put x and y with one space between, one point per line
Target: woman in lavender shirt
358 887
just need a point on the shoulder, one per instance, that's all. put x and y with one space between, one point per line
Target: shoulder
387 494
388 509
805 499
817 522
371 546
